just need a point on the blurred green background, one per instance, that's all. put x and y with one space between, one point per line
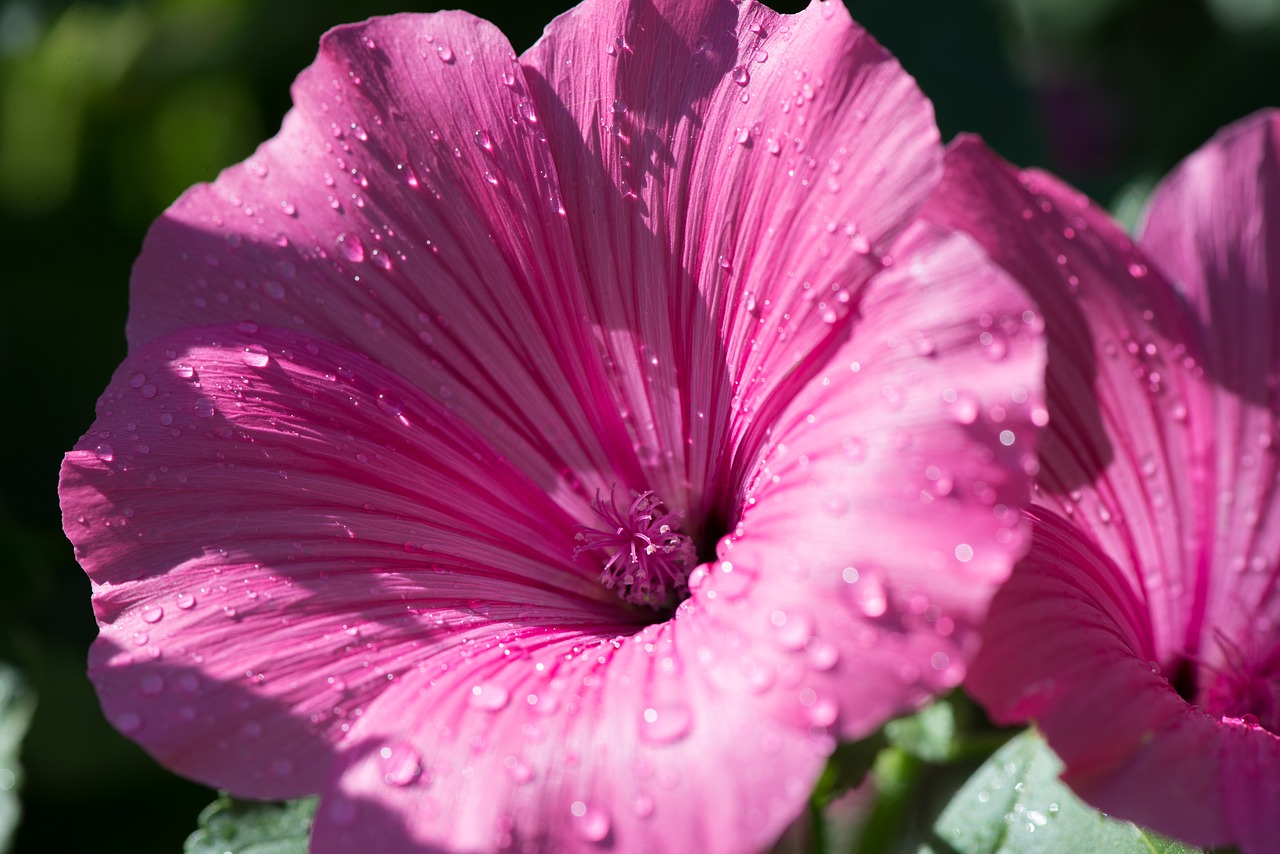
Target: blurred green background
108 110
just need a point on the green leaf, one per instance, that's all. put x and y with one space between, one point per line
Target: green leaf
1131 202
1015 804
229 826
929 734
16 705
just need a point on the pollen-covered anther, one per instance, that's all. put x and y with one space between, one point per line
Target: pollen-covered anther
648 560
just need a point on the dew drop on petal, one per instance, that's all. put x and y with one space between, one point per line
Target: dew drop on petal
256 357
401 765
489 696
128 722
350 247
203 407
741 75
665 723
591 822
151 685
153 615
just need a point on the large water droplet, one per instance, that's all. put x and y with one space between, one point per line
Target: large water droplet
490 697
350 247
256 356
591 822
401 765
665 723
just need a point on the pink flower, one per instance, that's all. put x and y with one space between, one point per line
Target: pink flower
1142 633
561 449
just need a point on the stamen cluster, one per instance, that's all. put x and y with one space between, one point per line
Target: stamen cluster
649 560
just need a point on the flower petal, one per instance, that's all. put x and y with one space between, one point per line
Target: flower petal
1127 431
1069 644
273 525
884 514
403 211
1214 224
737 175
1250 785
1134 590
569 744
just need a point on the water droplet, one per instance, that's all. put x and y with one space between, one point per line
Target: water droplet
186 601
867 592
517 769
275 290
256 357
665 723
741 75
153 615
592 823
483 140
203 407
821 711
350 247
401 765
490 697
129 722
445 53
1137 269
791 629
965 407
105 452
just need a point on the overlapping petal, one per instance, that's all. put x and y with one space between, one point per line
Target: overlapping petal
737 175
1137 631
380 373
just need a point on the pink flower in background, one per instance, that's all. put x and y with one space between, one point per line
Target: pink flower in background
1142 632
557 450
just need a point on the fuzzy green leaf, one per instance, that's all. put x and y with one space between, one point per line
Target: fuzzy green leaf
229 826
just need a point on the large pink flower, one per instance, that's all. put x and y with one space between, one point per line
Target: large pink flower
1142 632
560 449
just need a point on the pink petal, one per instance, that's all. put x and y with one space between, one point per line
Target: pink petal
272 525
569 745
883 516
1125 398
1214 224
736 175
1069 645
1153 565
403 211
1250 785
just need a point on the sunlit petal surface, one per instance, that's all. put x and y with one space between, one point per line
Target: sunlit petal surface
558 451
1141 631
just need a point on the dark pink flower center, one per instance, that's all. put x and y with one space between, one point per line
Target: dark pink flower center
1246 686
647 560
